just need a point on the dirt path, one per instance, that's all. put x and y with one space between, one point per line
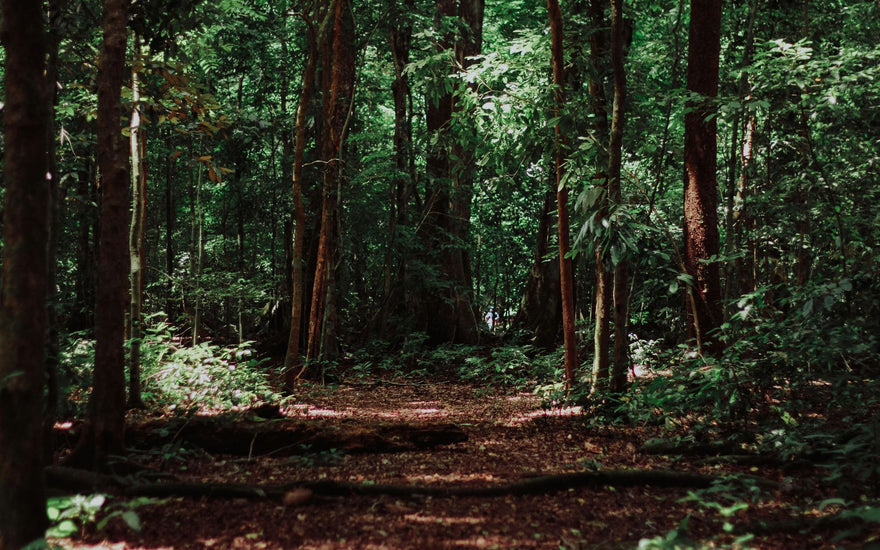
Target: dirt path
510 438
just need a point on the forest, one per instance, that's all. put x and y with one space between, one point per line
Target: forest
392 274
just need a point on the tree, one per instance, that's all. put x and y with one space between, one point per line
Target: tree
565 271
338 79
53 346
137 232
604 273
701 237
446 309
292 361
23 314
615 162
401 185
104 434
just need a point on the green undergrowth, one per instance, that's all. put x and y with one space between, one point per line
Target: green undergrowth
176 376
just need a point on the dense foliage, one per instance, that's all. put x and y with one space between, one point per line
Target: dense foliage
798 119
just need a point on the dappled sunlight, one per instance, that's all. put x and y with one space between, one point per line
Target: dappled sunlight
308 410
432 479
413 409
484 541
556 412
444 520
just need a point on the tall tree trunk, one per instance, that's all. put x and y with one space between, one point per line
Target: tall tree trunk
23 315
86 263
438 315
701 186
338 90
615 161
170 217
447 313
400 39
104 434
197 231
736 222
57 195
604 298
565 271
292 360
137 229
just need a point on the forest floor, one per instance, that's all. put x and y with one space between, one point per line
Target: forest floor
510 438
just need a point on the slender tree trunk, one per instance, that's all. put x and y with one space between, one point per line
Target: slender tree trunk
198 229
57 195
400 38
615 162
86 247
137 228
292 361
338 83
104 434
604 298
604 302
674 83
540 310
701 185
170 217
565 271
23 315
741 155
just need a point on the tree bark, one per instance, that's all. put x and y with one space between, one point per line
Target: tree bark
57 195
620 365
23 312
338 90
292 360
540 310
104 433
604 297
445 305
137 233
565 271
394 300
701 186
737 280
170 217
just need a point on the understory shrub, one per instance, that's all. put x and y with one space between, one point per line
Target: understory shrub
177 375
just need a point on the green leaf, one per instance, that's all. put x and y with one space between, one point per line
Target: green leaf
62 530
807 308
131 519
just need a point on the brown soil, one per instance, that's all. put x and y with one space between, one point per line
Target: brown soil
510 438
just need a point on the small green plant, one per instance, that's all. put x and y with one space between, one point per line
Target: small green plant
205 375
511 366
676 539
310 458
72 515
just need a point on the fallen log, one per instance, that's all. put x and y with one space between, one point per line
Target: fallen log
249 438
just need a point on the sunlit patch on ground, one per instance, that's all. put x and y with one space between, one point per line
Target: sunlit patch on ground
429 479
444 520
487 542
